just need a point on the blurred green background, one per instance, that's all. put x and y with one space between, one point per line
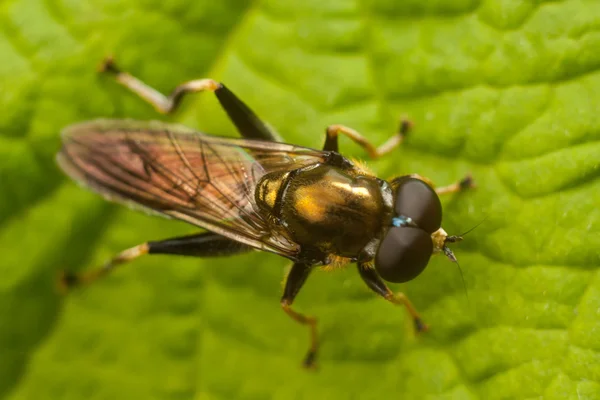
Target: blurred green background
506 89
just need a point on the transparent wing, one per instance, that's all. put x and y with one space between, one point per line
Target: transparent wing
172 170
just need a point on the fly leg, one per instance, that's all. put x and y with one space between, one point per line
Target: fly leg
331 144
333 132
376 284
293 284
206 244
245 120
465 183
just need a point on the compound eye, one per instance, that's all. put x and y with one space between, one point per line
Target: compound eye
403 254
418 201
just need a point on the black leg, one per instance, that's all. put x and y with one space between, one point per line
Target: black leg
248 124
245 120
293 284
206 244
333 131
376 284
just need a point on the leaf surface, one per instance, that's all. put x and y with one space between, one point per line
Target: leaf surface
507 90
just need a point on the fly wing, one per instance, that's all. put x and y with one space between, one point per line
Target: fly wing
178 172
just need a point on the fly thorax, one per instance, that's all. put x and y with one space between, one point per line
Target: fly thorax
332 209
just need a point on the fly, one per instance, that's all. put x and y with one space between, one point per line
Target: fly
313 207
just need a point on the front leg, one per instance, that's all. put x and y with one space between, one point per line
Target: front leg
376 284
465 183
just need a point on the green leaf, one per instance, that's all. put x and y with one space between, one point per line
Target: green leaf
508 90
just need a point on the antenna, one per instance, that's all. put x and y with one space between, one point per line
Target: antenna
458 238
452 258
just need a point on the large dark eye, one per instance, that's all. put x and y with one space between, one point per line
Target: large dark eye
418 201
403 254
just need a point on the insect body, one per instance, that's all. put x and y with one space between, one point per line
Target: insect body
330 210
314 207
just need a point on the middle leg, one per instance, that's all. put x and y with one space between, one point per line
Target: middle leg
294 281
333 132
331 144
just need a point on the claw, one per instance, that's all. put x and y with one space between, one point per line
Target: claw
421 326
108 65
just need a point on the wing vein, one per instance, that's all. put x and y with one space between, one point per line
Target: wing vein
205 180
